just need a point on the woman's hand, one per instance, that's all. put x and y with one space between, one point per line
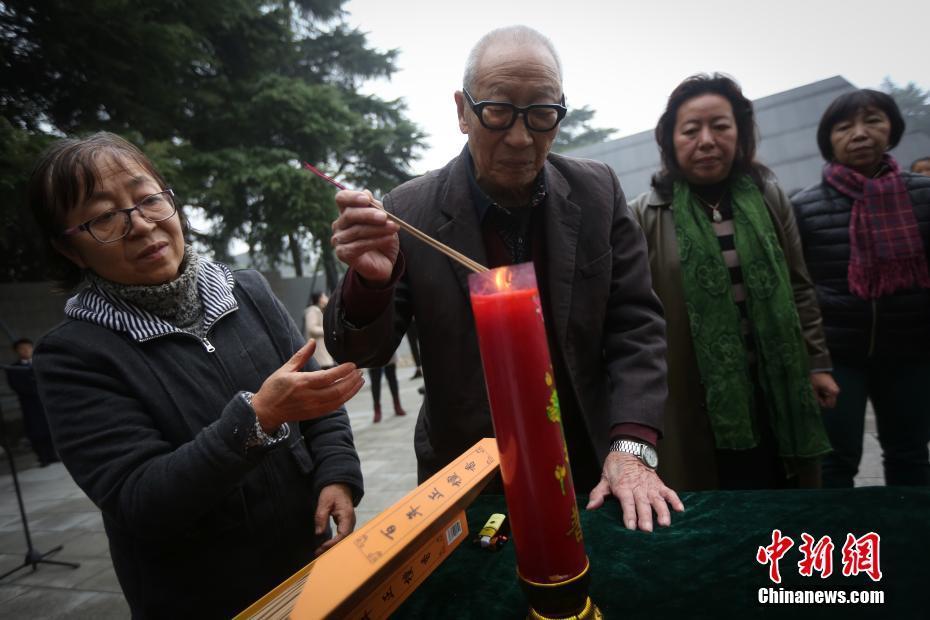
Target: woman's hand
825 389
336 502
291 395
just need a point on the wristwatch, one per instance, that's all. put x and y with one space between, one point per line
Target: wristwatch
257 437
643 451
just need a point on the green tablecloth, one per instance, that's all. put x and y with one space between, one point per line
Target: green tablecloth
704 565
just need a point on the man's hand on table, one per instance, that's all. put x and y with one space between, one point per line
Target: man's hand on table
639 490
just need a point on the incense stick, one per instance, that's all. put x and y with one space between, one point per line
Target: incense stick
422 236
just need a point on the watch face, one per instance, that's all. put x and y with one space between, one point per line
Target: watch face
650 457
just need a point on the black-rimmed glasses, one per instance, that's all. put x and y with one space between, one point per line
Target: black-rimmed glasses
116 223
501 115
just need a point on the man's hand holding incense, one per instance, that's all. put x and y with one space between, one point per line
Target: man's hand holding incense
639 490
364 238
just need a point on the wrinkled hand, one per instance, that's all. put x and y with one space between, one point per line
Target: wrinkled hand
336 502
291 395
639 490
363 237
825 388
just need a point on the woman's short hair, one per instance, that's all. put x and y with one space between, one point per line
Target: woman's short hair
315 298
847 105
695 86
917 161
62 179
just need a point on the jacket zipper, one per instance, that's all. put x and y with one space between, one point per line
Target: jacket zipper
874 323
206 345
204 341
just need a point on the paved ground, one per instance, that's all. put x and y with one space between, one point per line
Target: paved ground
60 514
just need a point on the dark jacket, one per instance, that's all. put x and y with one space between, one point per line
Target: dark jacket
687 456
154 433
607 322
893 326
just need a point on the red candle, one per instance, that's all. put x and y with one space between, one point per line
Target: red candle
527 422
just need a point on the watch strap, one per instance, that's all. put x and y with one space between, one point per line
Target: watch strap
257 437
627 445
643 451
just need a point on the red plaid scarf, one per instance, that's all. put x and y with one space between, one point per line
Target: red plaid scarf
886 253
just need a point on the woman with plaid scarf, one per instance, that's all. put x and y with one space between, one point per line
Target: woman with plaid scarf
866 234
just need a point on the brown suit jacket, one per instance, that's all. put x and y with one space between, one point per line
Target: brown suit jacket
607 320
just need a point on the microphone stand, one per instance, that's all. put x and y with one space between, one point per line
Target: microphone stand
33 556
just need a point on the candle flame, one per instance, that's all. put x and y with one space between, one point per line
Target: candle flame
503 278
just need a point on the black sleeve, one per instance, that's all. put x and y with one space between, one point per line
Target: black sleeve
113 450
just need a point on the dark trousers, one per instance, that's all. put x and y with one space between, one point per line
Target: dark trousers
375 375
900 394
761 467
413 337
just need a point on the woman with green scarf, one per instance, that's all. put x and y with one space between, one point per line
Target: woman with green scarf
747 359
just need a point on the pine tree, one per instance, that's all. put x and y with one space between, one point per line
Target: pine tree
226 97
913 102
575 130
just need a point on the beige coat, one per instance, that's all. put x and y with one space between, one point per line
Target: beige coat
313 328
687 458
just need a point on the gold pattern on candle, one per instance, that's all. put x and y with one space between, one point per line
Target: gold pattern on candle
560 472
575 529
553 412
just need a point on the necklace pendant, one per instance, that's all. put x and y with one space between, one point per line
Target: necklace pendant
717 217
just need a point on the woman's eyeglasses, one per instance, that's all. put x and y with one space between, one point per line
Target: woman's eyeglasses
116 223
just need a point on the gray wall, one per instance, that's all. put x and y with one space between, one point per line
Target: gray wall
294 293
788 140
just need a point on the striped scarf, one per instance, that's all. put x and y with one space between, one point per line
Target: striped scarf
96 304
175 302
885 250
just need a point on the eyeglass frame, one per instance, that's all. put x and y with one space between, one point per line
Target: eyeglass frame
85 227
478 108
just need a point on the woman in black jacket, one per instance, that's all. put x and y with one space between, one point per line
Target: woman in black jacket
182 398
866 234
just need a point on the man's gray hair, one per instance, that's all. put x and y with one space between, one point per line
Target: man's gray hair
518 35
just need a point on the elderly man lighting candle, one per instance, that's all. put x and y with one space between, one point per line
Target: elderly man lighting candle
505 199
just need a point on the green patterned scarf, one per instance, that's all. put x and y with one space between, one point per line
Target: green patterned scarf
715 326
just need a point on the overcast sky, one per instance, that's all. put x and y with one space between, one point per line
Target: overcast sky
623 58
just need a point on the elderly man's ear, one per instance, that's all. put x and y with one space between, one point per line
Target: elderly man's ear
460 106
